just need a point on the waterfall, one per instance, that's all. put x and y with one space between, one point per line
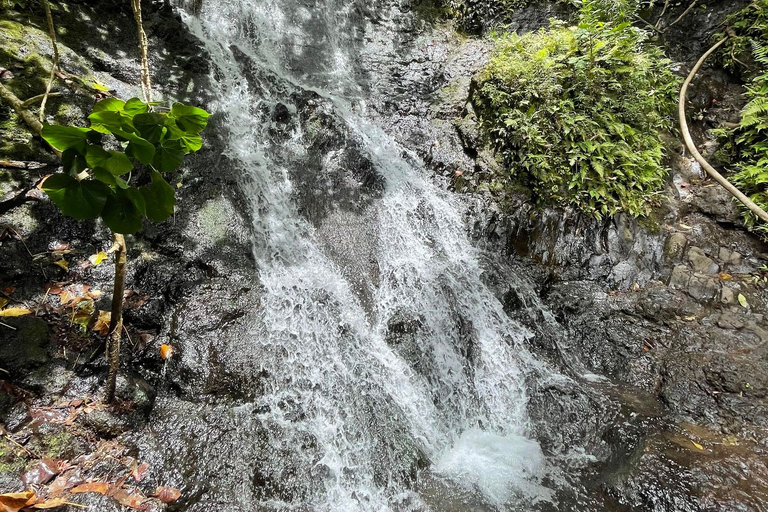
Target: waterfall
375 382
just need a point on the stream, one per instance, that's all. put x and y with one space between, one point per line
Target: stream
452 398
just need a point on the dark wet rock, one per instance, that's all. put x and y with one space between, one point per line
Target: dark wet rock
107 424
23 344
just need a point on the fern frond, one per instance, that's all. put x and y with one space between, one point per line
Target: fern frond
755 112
760 51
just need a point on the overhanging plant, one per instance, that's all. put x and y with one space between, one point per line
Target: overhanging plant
115 170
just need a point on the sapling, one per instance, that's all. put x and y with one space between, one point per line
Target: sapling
114 171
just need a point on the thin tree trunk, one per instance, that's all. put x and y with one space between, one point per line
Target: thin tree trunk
146 84
116 320
55 65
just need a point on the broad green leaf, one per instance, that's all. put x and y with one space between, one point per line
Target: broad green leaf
65 137
151 126
168 156
79 199
120 214
107 121
137 198
118 163
160 198
190 119
109 105
135 106
743 301
113 161
73 162
107 177
138 148
191 143
96 156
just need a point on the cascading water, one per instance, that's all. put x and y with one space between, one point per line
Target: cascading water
369 376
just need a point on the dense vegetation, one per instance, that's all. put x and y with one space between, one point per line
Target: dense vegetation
576 113
746 54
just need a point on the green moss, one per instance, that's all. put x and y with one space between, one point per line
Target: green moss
10 459
56 445
576 114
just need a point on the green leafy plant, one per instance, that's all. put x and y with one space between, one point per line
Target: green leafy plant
748 26
96 181
575 115
114 171
747 145
745 148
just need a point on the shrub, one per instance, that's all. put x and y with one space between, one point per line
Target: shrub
576 114
749 142
746 55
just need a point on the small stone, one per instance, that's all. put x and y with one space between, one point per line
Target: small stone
701 262
729 320
680 277
728 296
675 245
703 288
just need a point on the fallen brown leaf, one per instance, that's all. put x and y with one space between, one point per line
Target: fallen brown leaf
167 494
140 472
102 323
52 503
15 501
130 498
98 487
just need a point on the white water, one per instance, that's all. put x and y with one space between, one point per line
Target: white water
460 402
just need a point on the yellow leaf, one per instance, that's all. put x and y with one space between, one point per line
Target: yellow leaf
97 258
15 312
102 323
743 301
697 445
15 501
685 226
3 302
63 264
166 351
726 277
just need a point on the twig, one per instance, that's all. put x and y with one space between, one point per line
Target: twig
18 164
692 147
21 239
55 65
661 16
693 4
11 328
34 99
37 309
15 201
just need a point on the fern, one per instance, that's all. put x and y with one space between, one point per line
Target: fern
747 146
755 113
